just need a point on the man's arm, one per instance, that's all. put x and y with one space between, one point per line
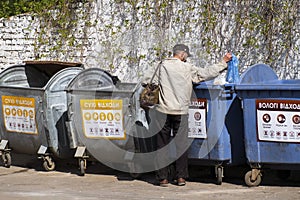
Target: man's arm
202 74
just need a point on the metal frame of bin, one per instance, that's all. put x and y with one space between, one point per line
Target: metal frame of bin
270 141
34 104
89 134
223 142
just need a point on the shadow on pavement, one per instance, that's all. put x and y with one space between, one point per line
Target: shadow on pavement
202 174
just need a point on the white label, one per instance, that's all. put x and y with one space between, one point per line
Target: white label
197 119
278 120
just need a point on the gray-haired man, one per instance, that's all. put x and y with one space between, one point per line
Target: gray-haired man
175 78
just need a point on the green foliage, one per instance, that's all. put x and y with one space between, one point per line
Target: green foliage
57 17
243 25
14 7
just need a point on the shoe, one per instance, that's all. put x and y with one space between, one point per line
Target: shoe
181 182
164 183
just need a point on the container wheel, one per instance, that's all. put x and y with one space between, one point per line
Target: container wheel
82 167
6 159
219 174
252 183
48 163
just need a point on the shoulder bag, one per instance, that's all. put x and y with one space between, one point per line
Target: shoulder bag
150 94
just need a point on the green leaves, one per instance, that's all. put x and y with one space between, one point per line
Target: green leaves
15 7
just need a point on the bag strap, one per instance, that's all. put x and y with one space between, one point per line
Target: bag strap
155 71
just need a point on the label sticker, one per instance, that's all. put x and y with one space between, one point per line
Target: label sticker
278 120
102 118
19 114
197 119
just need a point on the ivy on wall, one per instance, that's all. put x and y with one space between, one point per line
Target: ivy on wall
136 32
57 20
60 22
14 7
256 31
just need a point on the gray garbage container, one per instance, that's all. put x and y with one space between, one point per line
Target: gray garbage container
100 114
34 105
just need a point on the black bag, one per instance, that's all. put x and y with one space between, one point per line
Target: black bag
150 94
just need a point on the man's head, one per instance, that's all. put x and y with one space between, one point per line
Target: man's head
181 51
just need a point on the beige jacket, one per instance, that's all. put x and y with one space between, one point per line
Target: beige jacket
175 79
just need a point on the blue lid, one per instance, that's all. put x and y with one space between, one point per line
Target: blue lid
262 77
258 73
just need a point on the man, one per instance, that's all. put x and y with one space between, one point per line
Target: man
175 77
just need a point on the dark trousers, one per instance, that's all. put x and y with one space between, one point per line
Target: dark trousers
173 142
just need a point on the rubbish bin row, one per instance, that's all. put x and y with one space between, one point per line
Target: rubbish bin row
33 106
61 110
255 122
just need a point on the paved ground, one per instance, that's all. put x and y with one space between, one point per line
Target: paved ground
27 181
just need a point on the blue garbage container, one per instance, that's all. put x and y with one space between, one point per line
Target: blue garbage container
271 110
216 125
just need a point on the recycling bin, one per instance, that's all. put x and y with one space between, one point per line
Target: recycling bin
34 105
216 127
101 114
271 122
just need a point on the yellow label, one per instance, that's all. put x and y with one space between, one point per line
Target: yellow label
101 104
19 114
18 101
102 118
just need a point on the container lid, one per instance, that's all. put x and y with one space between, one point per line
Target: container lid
33 73
40 72
262 77
92 79
50 68
258 73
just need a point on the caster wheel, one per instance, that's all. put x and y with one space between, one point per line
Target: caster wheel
219 174
252 183
82 167
48 164
6 159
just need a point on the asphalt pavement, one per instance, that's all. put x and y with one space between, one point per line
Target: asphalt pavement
27 180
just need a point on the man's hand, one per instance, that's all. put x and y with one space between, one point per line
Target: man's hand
227 57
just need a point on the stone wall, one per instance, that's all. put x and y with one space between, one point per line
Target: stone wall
16 40
19 41
127 37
